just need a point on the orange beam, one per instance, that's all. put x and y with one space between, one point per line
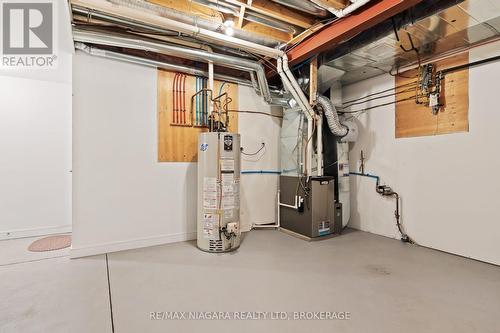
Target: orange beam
348 27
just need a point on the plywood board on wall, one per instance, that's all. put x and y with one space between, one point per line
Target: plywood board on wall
179 143
417 120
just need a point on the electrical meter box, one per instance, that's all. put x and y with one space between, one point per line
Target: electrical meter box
317 214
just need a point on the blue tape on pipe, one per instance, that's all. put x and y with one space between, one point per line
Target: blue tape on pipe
272 172
364 175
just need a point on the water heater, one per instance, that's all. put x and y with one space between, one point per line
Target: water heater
218 191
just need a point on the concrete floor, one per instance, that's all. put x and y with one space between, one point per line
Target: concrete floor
386 286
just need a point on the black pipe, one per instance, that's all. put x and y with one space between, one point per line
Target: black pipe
385 190
472 64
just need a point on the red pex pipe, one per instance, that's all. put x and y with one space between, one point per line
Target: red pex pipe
176 97
184 76
173 98
179 101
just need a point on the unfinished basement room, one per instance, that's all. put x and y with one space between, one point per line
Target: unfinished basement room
249 166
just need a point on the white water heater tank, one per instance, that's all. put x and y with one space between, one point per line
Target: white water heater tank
218 191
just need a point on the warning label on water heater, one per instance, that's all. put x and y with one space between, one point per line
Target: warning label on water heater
210 192
209 222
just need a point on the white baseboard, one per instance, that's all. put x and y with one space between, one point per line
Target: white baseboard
78 252
23 233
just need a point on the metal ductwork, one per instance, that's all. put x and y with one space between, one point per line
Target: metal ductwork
141 43
304 6
170 19
93 14
332 117
95 51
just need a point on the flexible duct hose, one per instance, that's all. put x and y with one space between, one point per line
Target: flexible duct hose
332 117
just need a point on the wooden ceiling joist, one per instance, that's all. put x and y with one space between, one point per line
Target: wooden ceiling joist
263 30
337 4
190 7
268 8
282 13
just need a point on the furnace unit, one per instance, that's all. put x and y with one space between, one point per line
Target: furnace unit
308 207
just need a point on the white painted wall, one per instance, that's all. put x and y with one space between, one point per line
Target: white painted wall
258 191
448 183
122 197
35 144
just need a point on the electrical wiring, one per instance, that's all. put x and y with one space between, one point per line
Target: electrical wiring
253 154
331 164
378 106
379 97
356 113
328 21
265 61
412 49
382 91
255 112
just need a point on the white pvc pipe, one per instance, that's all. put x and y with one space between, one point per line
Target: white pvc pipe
289 87
319 144
291 84
210 84
295 206
309 148
279 213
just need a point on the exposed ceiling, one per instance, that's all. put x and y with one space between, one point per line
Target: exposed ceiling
277 20
457 27
367 50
